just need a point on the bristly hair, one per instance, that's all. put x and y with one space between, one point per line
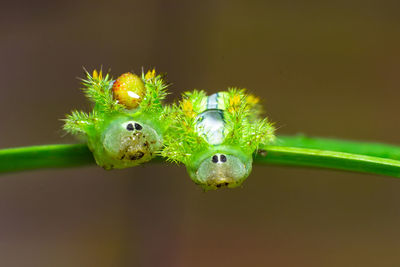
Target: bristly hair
79 122
155 91
182 141
97 89
244 127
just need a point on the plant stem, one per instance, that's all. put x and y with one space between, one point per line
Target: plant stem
352 147
289 151
43 157
293 156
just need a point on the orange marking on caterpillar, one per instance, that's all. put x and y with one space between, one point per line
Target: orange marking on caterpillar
129 90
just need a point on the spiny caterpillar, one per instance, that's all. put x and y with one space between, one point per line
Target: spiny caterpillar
215 136
125 127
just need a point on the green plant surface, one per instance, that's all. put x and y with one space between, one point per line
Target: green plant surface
297 151
353 147
295 156
45 156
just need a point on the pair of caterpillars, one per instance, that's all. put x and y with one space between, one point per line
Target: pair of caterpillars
214 136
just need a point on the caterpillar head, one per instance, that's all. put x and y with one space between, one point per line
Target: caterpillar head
128 142
220 168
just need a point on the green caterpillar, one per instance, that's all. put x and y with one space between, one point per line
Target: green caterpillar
215 136
125 127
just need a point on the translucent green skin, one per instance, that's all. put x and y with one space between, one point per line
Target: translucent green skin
118 135
213 175
116 145
207 168
215 136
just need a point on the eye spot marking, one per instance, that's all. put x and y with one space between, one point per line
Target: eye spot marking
222 158
138 126
130 127
214 159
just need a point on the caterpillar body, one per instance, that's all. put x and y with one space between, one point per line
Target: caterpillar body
215 136
125 127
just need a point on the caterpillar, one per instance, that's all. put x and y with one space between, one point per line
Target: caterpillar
215 136
125 127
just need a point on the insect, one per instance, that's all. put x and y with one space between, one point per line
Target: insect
215 136
125 127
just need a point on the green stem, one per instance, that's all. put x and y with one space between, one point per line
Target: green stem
43 157
293 156
352 147
289 151
333 154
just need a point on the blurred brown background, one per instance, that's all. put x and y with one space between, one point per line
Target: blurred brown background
324 68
